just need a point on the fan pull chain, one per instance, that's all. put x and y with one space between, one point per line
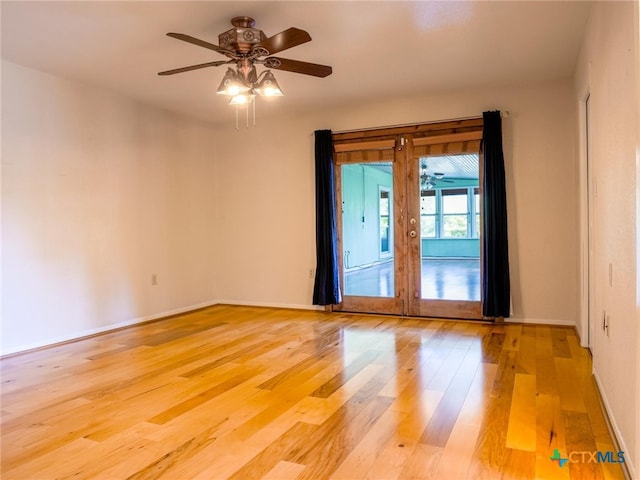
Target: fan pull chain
253 110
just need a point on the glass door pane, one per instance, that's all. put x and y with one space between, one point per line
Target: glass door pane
367 229
446 258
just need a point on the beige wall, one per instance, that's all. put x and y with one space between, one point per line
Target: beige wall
608 69
266 187
637 315
157 197
98 194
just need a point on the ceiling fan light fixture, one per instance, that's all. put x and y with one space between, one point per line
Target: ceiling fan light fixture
231 84
244 45
268 86
241 99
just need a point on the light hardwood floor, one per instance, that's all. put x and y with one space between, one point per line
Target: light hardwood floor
250 393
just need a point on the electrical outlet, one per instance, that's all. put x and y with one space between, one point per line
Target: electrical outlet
154 279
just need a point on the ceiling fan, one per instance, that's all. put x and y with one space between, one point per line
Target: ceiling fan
427 180
245 46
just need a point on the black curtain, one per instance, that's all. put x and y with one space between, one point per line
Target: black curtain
326 289
496 294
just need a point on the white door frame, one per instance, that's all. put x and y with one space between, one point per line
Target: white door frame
586 187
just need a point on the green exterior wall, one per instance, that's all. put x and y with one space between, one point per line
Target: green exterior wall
360 216
451 247
360 231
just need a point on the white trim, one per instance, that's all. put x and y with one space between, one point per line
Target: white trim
156 316
389 253
585 218
541 321
293 306
616 431
533 321
94 331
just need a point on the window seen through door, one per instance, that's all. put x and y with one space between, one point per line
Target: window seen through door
450 213
384 208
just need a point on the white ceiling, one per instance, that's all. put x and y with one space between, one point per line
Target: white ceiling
376 49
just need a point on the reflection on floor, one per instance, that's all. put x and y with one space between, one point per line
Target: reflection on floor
442 279
244 393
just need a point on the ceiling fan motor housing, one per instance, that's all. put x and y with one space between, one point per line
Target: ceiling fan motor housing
242 37
244 44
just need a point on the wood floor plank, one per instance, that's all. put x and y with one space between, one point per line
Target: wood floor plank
239 439
490 450
338 436
346 374
224 407
359 460
284 471
423 463
550 436
411 424
308 355
318 413
492 342
512 337
521 431
285 448
453 354
518 464
207 395
568 385
445 417
580 446
527 353
546 382
56 463
249 392
559 342
130 454
457 454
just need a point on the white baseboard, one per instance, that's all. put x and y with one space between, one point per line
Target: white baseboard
293 306
155 316
612 422
532 321
95 331
541 321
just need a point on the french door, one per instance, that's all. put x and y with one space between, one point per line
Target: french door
408 230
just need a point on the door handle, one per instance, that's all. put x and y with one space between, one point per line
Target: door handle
413 234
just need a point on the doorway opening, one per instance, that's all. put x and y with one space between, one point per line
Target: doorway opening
450 227
409 226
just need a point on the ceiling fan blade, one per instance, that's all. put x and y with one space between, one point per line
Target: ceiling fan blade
193 67
291 37
200 43
446 181
297 66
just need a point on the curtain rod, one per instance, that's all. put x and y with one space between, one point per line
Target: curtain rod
503 114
